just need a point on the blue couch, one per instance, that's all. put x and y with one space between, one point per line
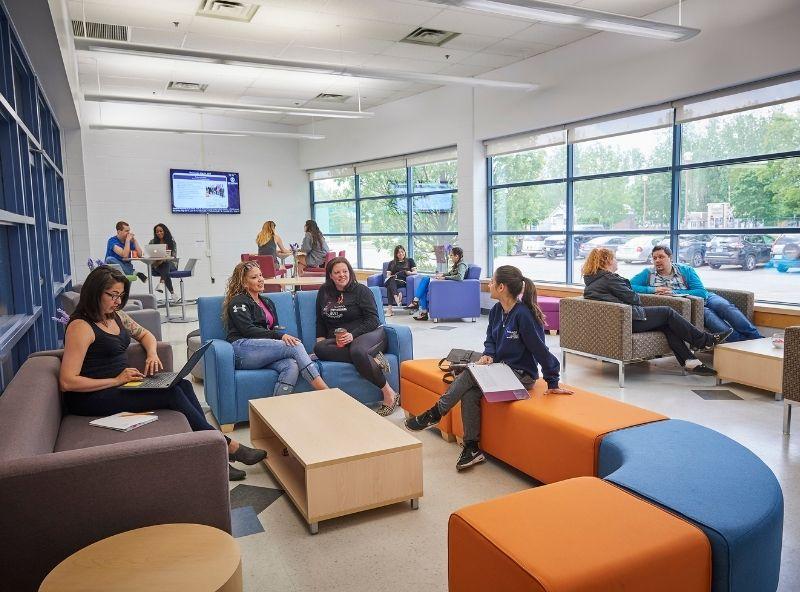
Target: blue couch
228 390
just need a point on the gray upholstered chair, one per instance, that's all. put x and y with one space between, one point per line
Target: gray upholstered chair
603 330
149 318
741 299
791 374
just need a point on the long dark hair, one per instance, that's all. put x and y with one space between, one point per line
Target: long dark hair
330 288
517 284
100 279
316 234
168 240
458 252
397 249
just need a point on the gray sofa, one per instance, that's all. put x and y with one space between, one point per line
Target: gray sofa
65 484
741 299
149 318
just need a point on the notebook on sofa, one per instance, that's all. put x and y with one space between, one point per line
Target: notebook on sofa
125 421
498 382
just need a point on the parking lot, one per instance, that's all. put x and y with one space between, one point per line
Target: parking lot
767 283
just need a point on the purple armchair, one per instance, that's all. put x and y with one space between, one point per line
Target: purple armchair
448 299
377 280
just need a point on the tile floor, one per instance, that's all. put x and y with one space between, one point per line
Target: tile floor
396 548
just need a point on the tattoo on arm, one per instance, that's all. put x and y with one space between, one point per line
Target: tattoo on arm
134 328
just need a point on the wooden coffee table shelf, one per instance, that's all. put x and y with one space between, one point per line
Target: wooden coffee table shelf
342 457
754 362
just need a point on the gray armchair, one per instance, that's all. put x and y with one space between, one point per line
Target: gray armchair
603 330
741 299
149 318
66 485
791 374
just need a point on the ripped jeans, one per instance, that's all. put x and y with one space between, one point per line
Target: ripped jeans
289 361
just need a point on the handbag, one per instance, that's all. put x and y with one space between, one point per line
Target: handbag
455 363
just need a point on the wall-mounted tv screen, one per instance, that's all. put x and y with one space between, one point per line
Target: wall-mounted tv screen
204 192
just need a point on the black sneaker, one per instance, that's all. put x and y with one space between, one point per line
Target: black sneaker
423 316
424 420
235 474
721 337
141 276
471 455
249 456
702 370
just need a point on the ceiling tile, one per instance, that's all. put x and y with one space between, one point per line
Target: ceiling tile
519 49
384 10
476 23
552 34
403 64
230 46
164 37
471 43
489 60
462 70
423 52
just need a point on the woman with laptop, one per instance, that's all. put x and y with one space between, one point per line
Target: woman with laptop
515 336
165 247
94 366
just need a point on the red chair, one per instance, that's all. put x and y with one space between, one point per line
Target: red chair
341 254
268 269
328 257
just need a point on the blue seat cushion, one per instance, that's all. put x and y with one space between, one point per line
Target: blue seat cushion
180 274
712 481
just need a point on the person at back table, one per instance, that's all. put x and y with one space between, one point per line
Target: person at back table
269 243
675 279
349 330
95 362
515 336
314 246
603 283
162 236
121 246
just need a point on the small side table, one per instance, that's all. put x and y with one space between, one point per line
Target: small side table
163 557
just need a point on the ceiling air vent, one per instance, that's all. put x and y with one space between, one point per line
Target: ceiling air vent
99 31
227 9
434 37
331 98
190 86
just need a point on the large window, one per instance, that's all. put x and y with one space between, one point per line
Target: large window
716 178
369 209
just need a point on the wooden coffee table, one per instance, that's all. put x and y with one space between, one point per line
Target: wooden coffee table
334 456
754 363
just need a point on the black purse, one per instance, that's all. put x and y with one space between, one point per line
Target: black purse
455 363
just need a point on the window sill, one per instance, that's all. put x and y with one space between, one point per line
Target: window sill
14 327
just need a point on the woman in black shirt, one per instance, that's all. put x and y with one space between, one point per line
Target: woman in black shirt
162 236
95 364
400 267
349 330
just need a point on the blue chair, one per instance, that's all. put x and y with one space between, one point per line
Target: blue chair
378 280
228 391
453 300
187 271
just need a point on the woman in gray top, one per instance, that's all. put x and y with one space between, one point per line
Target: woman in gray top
314 246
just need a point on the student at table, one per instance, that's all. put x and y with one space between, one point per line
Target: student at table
162 236
314 246
270 243
123 246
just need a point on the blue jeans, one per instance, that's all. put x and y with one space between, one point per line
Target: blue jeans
720 315
289 361
127 266
421 292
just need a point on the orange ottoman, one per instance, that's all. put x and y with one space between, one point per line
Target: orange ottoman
421 386
579 535
553 437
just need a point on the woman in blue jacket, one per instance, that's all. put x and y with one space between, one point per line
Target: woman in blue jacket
515 336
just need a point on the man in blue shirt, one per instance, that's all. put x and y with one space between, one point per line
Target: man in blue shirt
674 279
122 246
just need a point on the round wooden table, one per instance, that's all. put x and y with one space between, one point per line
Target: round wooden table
163 557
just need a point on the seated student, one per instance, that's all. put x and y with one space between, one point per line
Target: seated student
269 243
673 279
456 273
603 283
162 236
400 267
314 246
252 324
515 336
348 329
95 364
122 246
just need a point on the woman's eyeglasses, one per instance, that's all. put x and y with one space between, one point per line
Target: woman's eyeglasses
114 296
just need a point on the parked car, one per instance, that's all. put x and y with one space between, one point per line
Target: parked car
555 246
692 249
532 246
786 252
608 242
744 250
639 249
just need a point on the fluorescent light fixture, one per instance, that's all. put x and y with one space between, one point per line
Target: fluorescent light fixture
207 132
176 53
559 14
209 106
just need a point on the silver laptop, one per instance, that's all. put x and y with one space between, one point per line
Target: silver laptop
155 250
165 380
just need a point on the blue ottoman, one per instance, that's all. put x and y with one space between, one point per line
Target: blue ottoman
712 481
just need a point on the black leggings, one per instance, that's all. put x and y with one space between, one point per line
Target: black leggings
392 286
676 329
359 352
163 269
181 398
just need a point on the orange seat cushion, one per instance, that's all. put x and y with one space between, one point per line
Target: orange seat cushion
424 373
579 535
421 386
553 437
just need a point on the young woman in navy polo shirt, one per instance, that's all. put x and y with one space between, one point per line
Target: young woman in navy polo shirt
515 336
